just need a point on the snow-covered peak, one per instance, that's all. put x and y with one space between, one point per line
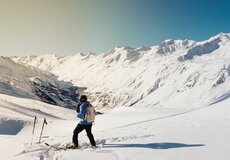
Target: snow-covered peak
143 49
127 48
121 54
206 47
43 62
42 56
170 45
221 37
109 52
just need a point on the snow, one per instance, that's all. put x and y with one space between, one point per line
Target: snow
130 133
164 102
10 127
165 75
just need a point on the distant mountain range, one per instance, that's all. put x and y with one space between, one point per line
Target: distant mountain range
174 73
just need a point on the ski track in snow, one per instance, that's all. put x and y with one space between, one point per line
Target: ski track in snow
30 112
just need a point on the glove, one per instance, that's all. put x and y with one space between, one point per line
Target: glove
78 108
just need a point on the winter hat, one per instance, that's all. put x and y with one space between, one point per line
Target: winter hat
83 98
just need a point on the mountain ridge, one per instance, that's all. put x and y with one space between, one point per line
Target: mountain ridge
161 75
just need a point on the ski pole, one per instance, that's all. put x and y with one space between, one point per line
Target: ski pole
35 120
44 122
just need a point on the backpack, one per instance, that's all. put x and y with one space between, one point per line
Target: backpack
90 114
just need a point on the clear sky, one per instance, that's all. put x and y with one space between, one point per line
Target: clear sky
66 27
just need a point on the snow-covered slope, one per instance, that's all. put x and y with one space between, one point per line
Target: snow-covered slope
129 133
187 82
17 114
175 73
26 82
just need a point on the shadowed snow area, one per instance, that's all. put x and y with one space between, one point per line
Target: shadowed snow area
11 90
165 145
10 127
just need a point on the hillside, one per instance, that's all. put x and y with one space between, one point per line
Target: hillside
126 132
27 82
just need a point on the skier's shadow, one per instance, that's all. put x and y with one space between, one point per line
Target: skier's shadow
163 145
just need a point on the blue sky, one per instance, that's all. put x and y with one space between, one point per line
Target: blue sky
66 27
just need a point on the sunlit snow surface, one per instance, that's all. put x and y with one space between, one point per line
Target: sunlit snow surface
130 133
166 102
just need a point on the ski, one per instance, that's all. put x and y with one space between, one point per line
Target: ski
69 146
55 146
59 147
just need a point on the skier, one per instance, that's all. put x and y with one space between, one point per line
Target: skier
83 124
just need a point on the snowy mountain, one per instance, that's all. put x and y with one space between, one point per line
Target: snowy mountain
178 90
26 82
175 73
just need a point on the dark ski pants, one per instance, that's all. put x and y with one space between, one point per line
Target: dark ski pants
80 128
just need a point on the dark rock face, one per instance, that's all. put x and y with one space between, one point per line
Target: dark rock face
65 96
